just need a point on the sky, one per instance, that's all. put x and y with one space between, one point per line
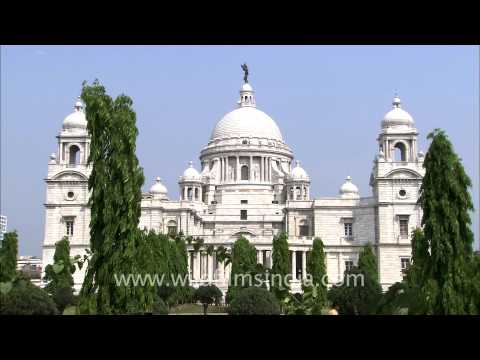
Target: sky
327 100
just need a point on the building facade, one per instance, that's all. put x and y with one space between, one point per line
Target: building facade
249 185
3 227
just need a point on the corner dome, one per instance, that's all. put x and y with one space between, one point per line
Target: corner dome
191 173
397 117
348 190
158 187
76 120
298 173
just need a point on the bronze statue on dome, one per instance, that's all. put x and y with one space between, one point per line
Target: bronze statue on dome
245 70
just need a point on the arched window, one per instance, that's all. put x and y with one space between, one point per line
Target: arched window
298 193
189 194
244 172
74 155
172 227
400 152
292 194
304 193
196 193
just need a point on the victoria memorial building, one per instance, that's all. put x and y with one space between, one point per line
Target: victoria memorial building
250 185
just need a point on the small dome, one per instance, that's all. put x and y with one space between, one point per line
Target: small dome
191 173
158 187
53 158
348 190
298 173
76 120
397 116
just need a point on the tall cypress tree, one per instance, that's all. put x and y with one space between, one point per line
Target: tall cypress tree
367 262
446 202
8 257
280 266
316 267
59 275
115 186
244 263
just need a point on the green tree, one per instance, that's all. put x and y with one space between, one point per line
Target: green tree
254 301
207 295
316 267
244 261
24 298
280 267
8 257
443 255
59 274
367 262
117 246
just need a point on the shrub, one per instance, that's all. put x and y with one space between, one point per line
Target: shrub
63 297
159 308
208 295
26 299
254 301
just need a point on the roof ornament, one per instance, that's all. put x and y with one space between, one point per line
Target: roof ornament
245 70
78 104
396 101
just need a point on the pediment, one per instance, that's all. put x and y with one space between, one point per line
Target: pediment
70 176
403 174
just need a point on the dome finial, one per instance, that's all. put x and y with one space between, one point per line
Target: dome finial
190 163
297 163
397 103
78 104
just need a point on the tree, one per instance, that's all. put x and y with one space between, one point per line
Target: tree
360 292
59 275
117 246
159 307
254 301
367 262
8 257
24 298
444 256
280 266
207 295
244 261
316 267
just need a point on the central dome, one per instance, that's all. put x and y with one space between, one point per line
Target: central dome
246 122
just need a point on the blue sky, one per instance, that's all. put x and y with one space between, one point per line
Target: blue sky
327 100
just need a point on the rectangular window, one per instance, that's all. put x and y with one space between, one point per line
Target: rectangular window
348 265
404 227
243 201
404 264
69 226
243 214
348 230
303 230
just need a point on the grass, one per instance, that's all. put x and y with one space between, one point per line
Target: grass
197 309
70 310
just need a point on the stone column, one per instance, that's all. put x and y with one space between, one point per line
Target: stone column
196 265
185 193
294 265
304 264
262 168
251 168
269 259
210 267
238 169
269 169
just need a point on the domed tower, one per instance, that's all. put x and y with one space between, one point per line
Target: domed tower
191 185
395 180
66 210
298 184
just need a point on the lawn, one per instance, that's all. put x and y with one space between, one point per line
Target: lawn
197 309
70 310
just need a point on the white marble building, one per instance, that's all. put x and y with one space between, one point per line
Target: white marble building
250 185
